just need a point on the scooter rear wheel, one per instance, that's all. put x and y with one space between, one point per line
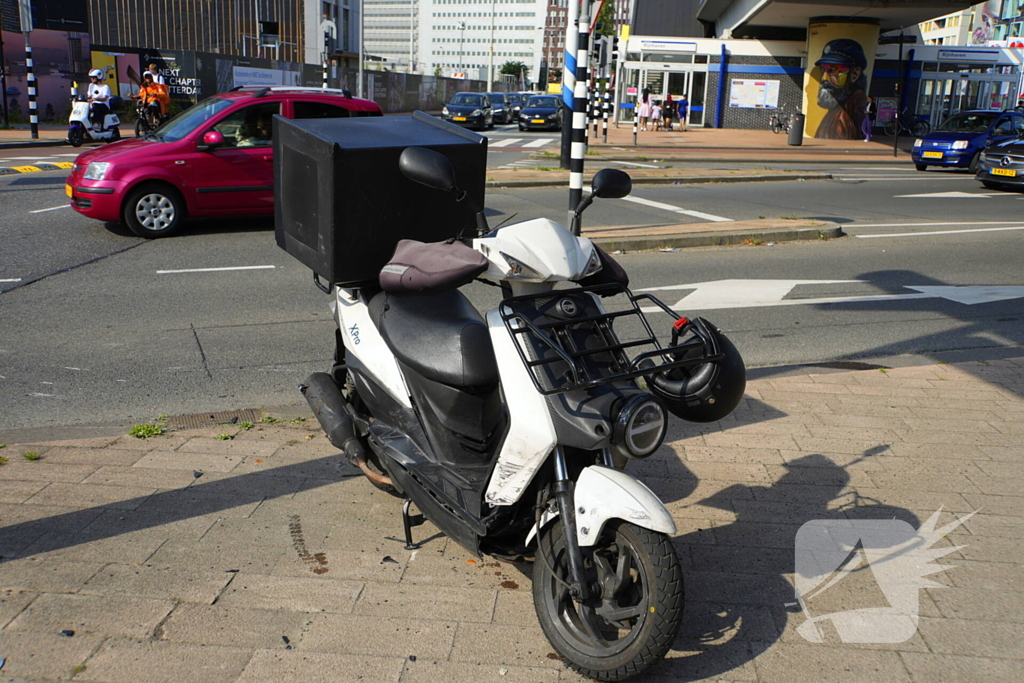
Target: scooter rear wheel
638 606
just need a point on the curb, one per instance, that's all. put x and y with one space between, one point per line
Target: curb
716 239
698 180
33 143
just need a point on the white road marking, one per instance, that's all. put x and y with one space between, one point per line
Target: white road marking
676 209
925 225
936 232
52 208
876 168
213 270
66 155
633 163
17 279
507 142
949 195
722 294
538 143
21 158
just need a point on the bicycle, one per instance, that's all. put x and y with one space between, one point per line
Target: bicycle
907 123
778 123
149 118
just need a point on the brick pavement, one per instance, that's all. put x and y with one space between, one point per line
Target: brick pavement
266 558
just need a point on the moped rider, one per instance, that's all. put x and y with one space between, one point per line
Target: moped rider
154 97
99 95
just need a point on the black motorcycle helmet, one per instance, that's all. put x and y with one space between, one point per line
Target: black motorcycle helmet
706 392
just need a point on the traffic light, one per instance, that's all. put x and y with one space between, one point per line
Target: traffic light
615 48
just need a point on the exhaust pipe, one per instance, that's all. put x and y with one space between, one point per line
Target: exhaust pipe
331 410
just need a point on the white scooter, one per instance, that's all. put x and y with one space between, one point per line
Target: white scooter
80 128
510 432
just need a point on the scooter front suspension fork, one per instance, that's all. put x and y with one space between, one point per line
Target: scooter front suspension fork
563 490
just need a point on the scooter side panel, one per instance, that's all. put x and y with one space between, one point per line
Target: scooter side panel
364 342
531 434
602 494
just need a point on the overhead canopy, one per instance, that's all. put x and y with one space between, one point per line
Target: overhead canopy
734 15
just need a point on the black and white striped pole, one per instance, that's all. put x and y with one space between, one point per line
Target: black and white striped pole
578 148
325 71
26 27
607 110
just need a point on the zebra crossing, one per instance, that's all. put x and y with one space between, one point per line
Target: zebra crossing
514 142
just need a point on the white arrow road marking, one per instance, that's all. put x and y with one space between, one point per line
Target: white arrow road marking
952 195
937 232
676 209
213 270
722 294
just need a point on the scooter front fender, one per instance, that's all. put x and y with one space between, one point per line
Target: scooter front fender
602 494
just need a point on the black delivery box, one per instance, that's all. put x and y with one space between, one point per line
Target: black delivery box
341 204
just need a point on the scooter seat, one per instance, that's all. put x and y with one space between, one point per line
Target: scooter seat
440 336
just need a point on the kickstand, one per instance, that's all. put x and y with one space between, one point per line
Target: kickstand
409 521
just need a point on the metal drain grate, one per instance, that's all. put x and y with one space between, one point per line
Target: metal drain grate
201 420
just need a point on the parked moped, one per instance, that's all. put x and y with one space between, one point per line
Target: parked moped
511 431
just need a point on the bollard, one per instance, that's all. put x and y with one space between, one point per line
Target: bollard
607 110
635 117
796 130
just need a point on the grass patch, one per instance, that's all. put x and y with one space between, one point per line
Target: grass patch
3 460
245 426
31 456
3 446
78 669
224 437
298 420
550 155
148 430
547 168
640 158
270 420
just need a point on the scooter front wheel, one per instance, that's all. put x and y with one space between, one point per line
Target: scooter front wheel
75 136
636 610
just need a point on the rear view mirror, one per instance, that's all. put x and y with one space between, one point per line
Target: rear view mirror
427 167
611 183
211 140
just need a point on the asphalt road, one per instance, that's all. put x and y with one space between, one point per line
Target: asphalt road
92 330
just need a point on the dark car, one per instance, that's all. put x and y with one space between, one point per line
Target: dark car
1001 166
470 109
541 112
502 112
515 104
961 138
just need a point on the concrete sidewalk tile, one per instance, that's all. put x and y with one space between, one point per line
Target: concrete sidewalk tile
709 624
111 475
351 565
788 513
829 447
92 496
916 500
92 456
992 504
332 468
298 594
831 460
735 559
980 603
231 543
952 426
174 460
974 636
178 583
782 491
985 548
923 481
935 451
795 663
516 606
83 547
773 428
12 602
130 661
277 666
998 577
165 524
850 433
427 671
1005 440
166 442
804 386
750 441
756 534
731 661
47 656
960 667
731 588
1003 453
910 467
942 415
229 447
505 644
856 420
365 635
232 626
282 483
724 471
15 492
452 569
45 471
46 574
721 453
784 475
24 524
111 615
892 392
441 602
983 524
201 501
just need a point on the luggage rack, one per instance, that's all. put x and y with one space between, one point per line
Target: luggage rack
531 338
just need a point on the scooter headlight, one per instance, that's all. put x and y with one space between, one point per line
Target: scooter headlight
517 270
594 264
640 426
96 170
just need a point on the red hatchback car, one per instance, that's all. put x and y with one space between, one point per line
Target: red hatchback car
214 159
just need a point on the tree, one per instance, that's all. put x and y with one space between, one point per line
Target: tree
515 68
606 19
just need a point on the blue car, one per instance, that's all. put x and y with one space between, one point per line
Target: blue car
961 138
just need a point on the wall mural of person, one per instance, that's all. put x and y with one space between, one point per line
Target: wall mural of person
842 89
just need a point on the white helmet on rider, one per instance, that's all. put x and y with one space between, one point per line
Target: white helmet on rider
96 73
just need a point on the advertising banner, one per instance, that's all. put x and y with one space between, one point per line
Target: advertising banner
746 94
840 59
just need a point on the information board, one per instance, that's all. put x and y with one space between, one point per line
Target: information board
748 94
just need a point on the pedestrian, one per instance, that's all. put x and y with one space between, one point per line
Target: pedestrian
157 78
870 111
668 111
645 108
656 115
682 111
